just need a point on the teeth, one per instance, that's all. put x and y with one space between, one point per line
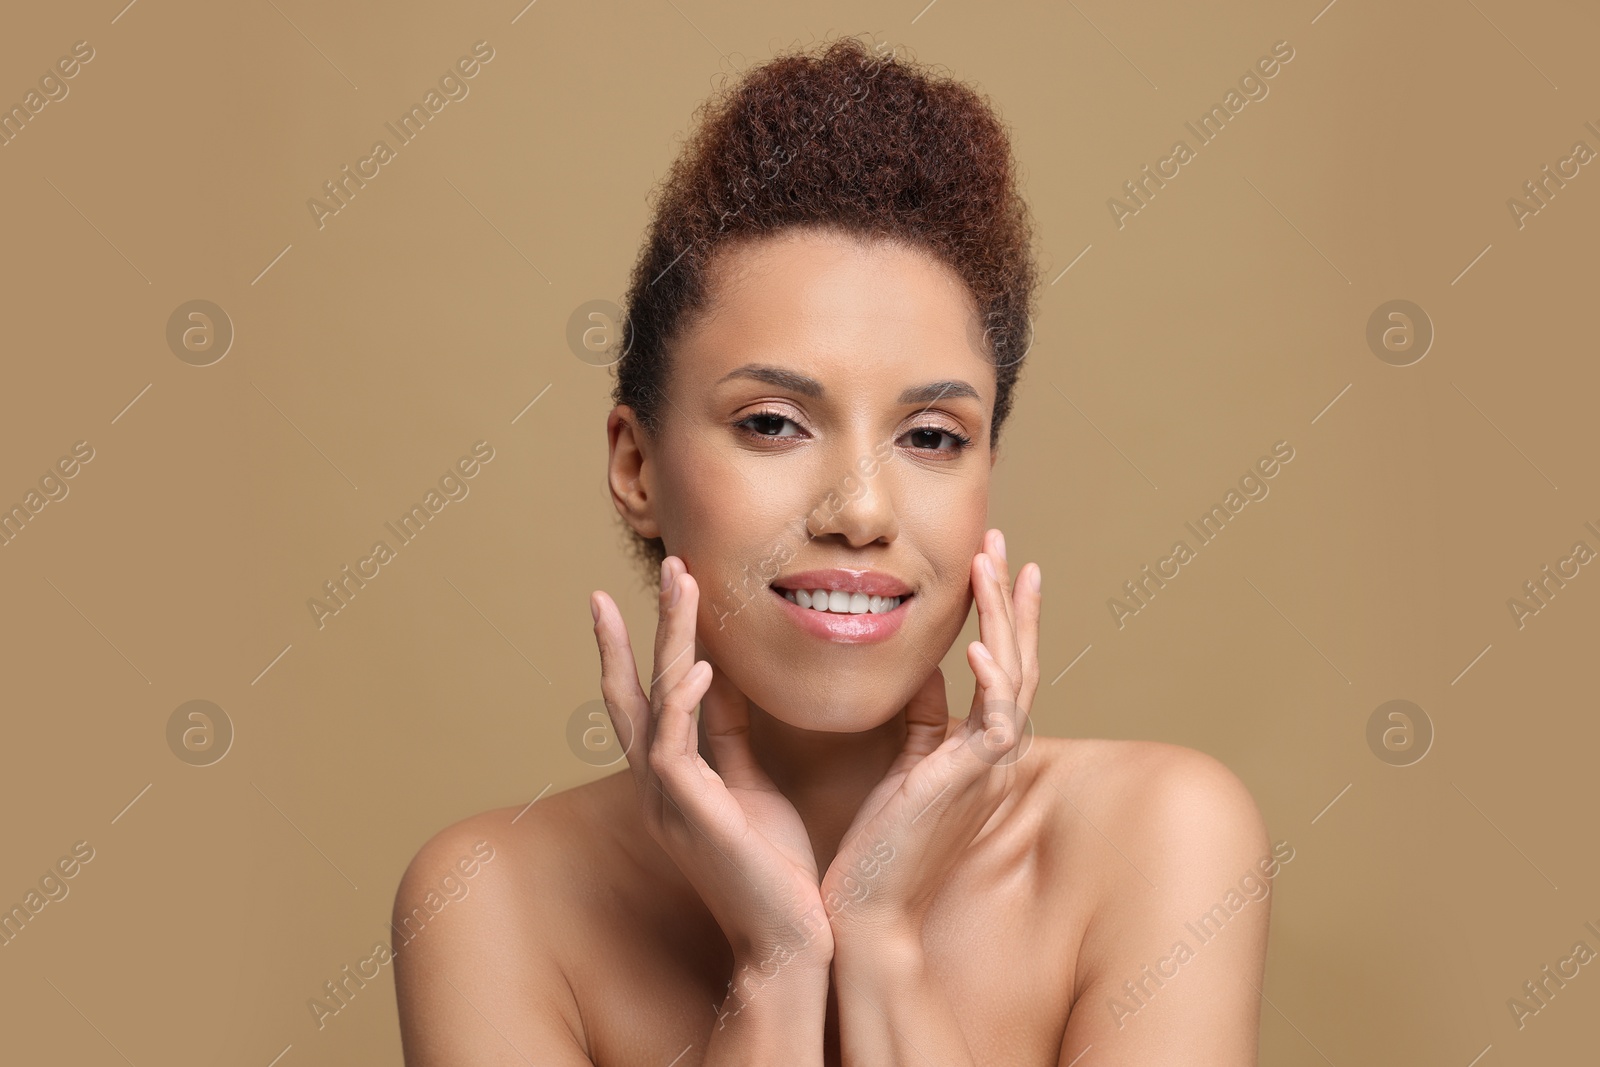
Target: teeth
841 603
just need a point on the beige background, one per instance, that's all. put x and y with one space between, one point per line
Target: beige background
1229 314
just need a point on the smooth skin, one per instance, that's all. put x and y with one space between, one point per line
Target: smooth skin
826 867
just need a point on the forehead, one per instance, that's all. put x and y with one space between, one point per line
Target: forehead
825 300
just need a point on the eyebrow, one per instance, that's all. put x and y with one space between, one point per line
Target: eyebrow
800 383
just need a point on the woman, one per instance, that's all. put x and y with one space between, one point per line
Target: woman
823 333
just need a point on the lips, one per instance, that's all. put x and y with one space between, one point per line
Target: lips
872 583
859 628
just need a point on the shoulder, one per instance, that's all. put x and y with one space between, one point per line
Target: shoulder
484 916
1183 867
1156 795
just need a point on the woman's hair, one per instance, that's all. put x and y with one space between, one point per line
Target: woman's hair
847 139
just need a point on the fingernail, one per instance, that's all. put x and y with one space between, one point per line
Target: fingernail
677 591
1038 577
666 576
594 607
1000 543
984 652
988 566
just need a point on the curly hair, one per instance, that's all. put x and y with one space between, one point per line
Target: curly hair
845 139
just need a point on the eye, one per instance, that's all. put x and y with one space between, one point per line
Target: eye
925 433
758 424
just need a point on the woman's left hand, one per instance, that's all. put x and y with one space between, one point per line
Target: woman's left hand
940 791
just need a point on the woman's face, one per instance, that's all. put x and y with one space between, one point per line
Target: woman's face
815 422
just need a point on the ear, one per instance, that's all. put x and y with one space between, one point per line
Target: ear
629 471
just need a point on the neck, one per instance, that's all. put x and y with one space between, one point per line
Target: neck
825 775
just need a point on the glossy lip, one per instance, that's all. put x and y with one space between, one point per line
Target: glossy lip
872 583
846 629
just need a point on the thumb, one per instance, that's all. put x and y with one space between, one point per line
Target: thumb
725 711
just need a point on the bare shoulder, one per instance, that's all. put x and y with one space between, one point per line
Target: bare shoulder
480 926
1183 867
1153 791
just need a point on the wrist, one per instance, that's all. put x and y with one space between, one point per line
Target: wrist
773 993
890 952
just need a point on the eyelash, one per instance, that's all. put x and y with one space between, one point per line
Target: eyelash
963 442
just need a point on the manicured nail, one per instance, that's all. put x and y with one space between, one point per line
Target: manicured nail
1000 543
677 591
988 566
1038 577
984 652
594 607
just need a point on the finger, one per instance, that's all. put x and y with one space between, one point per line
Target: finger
725 711
995 712
1028 604
675 741
674 653
995 629
927 716
625 701
1002 570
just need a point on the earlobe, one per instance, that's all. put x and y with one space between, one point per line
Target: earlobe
628 471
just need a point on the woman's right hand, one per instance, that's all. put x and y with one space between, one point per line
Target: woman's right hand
736 838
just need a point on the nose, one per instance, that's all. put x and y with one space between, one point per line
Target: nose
856 502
